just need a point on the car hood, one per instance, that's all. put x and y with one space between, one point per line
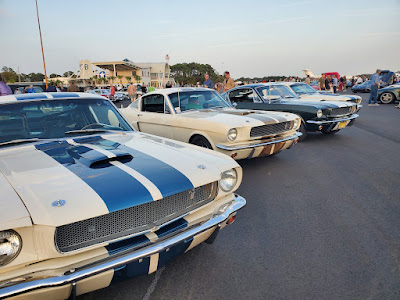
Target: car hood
329 97
321 104
65 181
240 117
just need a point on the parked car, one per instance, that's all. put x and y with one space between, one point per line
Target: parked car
85 198
307 93
21 89
120 97
107 93
319 116
201 117
389 94
364 87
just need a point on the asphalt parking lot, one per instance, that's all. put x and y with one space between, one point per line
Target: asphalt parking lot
322 221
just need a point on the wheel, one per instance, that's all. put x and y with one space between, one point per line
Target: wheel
386 98
331 132
201 141
303 130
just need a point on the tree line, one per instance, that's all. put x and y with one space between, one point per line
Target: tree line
10 76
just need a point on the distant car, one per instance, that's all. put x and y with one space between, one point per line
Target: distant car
389 94
364 87
306 93
120 97
107 93
317 116
201 117
21 89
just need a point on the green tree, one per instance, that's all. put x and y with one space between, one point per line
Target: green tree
9 75
36 76
120 78
112 78
193 72
54 75
68 74
128 78
138 78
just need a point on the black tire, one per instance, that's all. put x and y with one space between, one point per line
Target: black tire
387 98
331 132
303 130
201 141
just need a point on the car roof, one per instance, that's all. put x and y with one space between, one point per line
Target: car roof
44 96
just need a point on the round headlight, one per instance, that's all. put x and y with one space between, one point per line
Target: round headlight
10 246
232 134
319 113
228 180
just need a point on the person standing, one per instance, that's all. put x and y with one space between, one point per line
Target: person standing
321 82
307 80
132 92
168 85
4 88
359 80
144 89
72 87
327 83
228 82
334 84
112 92
207 82
51 88
373 96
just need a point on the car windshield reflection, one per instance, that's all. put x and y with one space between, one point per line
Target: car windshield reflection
301 89
271 92
196 100
55 119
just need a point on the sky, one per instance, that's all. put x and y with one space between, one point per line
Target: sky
248 38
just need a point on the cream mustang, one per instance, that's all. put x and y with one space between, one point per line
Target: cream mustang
201 117
85 198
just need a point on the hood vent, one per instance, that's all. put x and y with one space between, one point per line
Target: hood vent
104 163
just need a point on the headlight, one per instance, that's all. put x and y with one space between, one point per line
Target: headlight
228 180
10 246
296 124
319 113
232 134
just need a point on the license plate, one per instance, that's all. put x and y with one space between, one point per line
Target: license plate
343 124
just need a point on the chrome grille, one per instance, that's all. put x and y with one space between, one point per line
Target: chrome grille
336 112
131 220
271 129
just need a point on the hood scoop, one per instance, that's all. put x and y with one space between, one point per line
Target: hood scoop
97 160
105 162
241 113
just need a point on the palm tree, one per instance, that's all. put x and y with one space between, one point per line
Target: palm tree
128 78
137 78
120 78
112 78
94 79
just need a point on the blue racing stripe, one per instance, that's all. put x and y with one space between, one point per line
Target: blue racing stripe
117 189
64 95
167 179
30 96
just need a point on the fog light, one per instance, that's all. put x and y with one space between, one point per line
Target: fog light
231 220
222 209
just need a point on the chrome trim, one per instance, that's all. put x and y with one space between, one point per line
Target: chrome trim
332 121
116 262
252 146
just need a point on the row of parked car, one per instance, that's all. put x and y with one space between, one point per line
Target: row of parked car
86 199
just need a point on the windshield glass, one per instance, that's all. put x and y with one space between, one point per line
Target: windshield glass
53 118
272 91
194 100
302 88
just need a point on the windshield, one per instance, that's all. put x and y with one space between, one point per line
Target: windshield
194 100
302 88
53 119
271 91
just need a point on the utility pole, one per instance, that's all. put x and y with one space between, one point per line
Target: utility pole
19 74
41 44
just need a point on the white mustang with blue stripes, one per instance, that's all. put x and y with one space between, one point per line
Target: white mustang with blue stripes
86 200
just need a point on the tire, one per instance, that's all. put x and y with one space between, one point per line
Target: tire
387 97
303 130
331 132
201 141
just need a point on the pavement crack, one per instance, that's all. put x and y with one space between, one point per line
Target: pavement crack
153 284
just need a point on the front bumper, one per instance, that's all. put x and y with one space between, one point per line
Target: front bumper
71 278
323 122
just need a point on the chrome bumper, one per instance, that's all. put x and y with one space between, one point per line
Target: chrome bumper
116 262
332 121
252 146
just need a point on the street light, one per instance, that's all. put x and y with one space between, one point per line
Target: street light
41 43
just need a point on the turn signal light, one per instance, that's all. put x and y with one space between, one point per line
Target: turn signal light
320 127
231 219
234 155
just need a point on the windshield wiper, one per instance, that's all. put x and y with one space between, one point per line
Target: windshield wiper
89 131
21 141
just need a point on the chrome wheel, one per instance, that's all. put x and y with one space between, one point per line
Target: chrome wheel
386 98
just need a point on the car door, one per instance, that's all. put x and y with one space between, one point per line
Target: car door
155 116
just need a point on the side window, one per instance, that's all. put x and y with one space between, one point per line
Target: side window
153 103
243 95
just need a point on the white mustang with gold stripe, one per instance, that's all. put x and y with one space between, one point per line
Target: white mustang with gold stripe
201 117
86 199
